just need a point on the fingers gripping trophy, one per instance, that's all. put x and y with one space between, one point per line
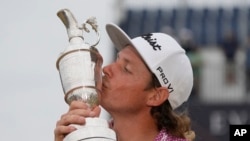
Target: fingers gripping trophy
80 66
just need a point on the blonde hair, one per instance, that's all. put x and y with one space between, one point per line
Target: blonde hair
176 123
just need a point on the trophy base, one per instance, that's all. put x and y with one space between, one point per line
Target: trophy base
95 129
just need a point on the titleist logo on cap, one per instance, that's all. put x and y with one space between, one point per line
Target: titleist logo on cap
152 41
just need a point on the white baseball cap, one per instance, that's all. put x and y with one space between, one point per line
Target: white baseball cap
164 57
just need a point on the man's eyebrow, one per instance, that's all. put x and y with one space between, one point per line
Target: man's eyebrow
124 58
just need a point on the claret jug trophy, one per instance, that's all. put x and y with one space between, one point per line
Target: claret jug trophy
80 70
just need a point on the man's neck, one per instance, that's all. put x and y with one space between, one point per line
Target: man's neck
135 128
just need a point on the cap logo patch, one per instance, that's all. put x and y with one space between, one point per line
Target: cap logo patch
165 80
151 41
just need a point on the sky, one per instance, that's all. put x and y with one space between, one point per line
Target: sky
31 38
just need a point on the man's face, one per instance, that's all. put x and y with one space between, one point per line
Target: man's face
125 82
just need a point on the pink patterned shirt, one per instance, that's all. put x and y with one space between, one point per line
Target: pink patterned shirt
164 136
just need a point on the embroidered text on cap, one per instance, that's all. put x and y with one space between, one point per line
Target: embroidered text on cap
151 41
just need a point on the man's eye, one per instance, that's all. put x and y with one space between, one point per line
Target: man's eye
126 70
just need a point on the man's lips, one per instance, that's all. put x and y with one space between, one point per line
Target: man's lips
103 85
104 82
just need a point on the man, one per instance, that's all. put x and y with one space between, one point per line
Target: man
151 77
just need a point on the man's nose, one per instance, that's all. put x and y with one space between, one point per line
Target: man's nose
107 70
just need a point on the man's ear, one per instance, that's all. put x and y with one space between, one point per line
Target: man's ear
158 96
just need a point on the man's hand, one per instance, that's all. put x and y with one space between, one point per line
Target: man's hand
77 113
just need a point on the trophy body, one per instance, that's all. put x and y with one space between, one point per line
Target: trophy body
80 69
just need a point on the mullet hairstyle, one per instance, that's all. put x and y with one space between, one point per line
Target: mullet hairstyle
175 123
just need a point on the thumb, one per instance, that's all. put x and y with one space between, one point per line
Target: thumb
95 112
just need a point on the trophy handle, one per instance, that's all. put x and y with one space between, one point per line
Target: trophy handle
92 22
72 26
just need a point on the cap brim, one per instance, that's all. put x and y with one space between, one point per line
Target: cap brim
118 36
